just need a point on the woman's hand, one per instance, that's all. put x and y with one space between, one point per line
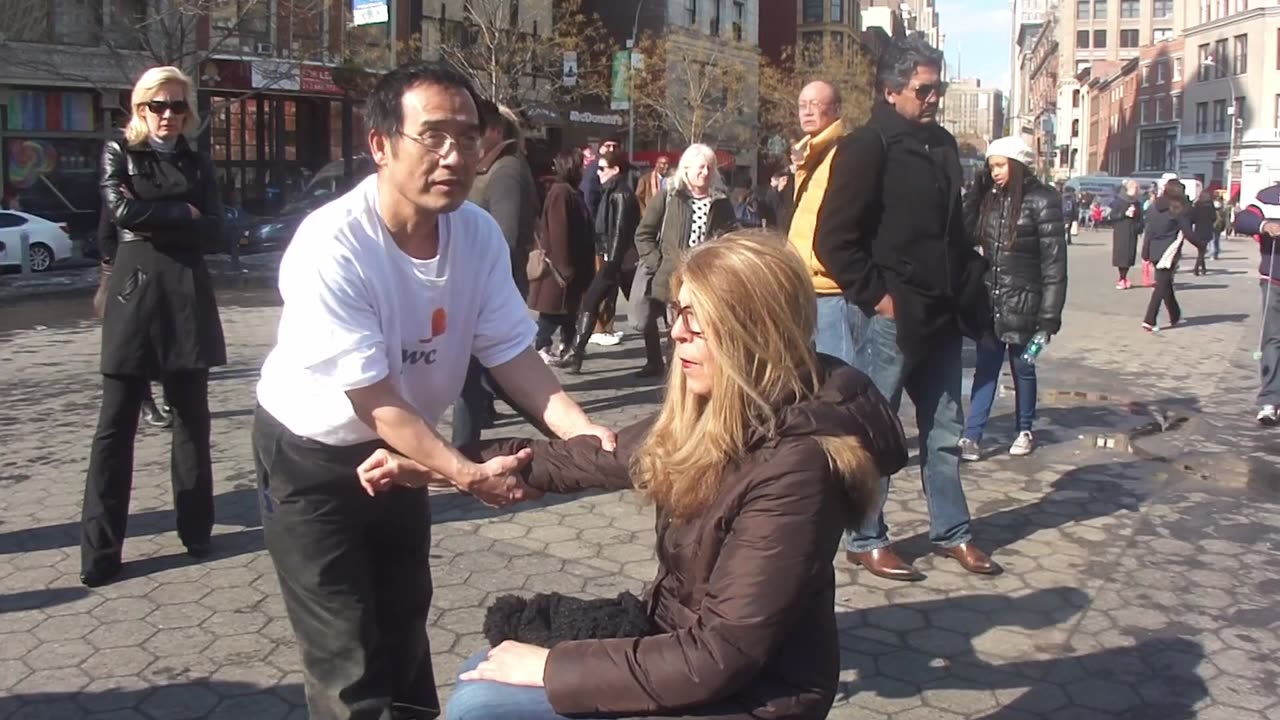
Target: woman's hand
512 663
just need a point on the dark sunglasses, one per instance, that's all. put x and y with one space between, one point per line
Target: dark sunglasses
923 92
177 107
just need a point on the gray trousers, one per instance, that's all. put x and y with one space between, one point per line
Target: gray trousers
1269 394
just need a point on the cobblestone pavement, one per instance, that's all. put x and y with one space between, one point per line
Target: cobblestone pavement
1136 585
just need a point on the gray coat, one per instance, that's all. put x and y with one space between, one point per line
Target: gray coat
509 193
663 234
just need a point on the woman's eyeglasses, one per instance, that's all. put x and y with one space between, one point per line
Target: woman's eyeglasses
684 313
157 107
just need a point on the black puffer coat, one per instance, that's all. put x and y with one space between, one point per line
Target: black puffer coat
1028 275
160 315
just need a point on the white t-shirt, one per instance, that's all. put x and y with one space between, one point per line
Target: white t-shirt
357 309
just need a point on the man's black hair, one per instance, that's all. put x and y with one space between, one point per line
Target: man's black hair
616 159
384 111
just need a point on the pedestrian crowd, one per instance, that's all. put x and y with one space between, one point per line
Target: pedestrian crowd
795 321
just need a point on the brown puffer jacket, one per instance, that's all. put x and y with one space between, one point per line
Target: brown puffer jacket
744 596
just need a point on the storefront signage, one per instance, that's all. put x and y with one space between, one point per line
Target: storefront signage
595 118
275 75
543 114
569 75
369 12
319 79
621 95
225 75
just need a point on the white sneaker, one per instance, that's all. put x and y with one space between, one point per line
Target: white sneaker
969 450
1023 445
607 339
1269 416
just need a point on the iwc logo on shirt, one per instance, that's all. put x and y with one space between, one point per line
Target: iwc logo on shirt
427 355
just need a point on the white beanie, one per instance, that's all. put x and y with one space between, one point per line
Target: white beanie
1014 148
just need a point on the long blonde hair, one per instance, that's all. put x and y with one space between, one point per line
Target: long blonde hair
757 310
145 89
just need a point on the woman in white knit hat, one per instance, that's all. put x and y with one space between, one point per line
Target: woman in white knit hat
1017 222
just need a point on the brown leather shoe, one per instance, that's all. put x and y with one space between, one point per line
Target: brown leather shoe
885 563
972 559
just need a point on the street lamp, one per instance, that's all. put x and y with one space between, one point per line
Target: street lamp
631 82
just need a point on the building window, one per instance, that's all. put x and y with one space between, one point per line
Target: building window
1099 39
1075 127
1160 35
1128 38
1177 107
812 11
691 13
837 11
1202 118
715 18
1206 59
739 19
1129 9
1162 74
1075 98
1082 39
1142 112
1240 59
1177 69
1162 9
1099 9
1082 9
1239 108
1146 75
1219 115
1220 58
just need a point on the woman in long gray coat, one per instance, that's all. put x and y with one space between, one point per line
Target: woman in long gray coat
1126 231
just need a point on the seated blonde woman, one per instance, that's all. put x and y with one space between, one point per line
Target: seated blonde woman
762 453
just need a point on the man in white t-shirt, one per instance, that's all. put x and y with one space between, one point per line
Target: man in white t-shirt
388 291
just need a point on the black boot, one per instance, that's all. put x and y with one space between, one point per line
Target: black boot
574 355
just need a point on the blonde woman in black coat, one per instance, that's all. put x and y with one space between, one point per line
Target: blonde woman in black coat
160 319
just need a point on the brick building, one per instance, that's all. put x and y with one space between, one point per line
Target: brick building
1112 91
1160 73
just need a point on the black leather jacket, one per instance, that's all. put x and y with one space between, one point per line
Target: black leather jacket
160 314
1028 274
616 220
151 199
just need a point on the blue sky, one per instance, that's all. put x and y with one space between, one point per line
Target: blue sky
977 39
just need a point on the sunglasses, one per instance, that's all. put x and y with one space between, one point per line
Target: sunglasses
177 107
924 92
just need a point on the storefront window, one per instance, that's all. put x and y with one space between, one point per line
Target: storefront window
41 111
56 179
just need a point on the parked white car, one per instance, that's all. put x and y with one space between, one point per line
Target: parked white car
48 242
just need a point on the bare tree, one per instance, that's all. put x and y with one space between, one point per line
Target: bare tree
517 60
696 90
106 43
849 68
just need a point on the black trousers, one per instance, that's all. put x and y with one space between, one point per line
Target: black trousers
548 323
354 575
1163 292
104 516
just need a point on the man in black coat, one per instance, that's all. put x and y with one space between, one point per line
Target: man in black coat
891 232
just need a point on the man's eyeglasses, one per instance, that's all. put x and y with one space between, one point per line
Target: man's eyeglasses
684 313
924 92
438 142
811 105
157 107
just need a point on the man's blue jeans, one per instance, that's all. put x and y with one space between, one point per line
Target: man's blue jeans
869 343
986 377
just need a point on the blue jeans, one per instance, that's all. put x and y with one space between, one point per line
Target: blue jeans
870 343
486 700
986 376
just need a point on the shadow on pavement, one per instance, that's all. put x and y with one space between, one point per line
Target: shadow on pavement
1194 320
217 699
238 507
1154 679
40 599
